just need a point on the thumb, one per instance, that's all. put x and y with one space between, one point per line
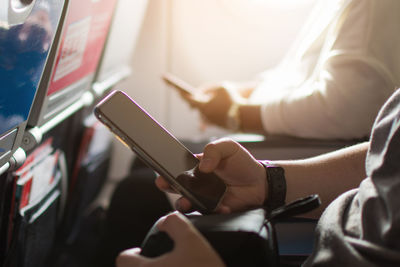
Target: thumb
178 228
130 257
195 101
215 152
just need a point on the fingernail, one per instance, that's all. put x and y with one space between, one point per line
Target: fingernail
132 251
162 219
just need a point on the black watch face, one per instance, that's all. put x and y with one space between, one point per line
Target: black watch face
276 187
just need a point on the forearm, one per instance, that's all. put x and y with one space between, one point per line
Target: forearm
327 175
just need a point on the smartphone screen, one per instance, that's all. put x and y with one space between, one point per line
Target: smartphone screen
159 149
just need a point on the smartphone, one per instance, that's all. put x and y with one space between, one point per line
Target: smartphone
179 84
160 150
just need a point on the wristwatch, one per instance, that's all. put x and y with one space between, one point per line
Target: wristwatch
276 183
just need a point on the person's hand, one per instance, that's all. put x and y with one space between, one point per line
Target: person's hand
244 176
190 247
214 101
213 104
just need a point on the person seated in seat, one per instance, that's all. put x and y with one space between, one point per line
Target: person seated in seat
359 187
330 85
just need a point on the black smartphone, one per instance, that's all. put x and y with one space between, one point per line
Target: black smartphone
160 150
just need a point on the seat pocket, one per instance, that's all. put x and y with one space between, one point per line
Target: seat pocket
35 229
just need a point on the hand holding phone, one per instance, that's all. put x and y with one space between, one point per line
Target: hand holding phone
160 150
189 93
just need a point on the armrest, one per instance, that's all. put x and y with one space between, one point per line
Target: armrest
276 147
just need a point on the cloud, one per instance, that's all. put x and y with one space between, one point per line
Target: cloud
7 123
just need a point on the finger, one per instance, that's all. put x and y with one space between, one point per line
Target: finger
203 126
130 257
199 156
163 185
178 227
223 209
204 120
216 151
183 205
195 101
185 95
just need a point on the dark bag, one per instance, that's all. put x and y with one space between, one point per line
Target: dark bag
241 239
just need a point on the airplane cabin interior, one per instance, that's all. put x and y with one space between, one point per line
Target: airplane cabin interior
77 189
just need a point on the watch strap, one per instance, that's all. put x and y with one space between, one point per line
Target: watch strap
276 184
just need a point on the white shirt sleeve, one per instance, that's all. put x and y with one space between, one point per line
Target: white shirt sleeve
351 80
